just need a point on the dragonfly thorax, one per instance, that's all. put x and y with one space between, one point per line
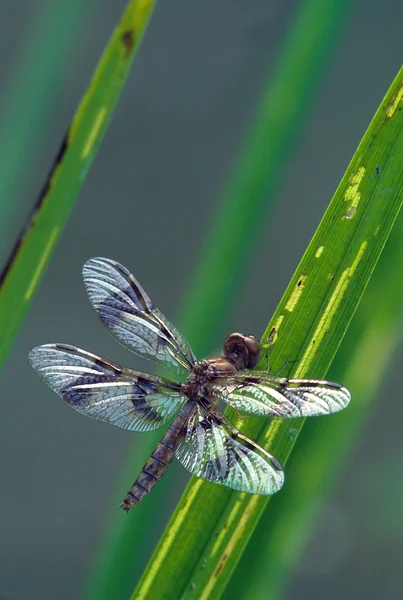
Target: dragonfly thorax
205 374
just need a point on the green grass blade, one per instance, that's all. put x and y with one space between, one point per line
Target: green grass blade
361 365
27 261
212 525
234 236
22 112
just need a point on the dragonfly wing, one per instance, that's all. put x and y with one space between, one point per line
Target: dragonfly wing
130 315
214 450
102 390
262 395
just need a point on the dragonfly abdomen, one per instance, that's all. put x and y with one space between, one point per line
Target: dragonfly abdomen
158 462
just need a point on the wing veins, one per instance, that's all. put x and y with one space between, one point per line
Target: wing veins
132 318
260 394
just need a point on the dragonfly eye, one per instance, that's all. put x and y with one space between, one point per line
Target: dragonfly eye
242 350
253 347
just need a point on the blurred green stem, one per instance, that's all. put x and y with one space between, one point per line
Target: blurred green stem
281 115
235 232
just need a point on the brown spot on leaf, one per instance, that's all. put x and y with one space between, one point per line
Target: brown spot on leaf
128 42
220 565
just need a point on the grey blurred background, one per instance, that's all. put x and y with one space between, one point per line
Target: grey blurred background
147 202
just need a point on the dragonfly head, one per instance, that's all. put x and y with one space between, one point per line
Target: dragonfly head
242 350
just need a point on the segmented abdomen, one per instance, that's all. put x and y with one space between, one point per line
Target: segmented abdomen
158 462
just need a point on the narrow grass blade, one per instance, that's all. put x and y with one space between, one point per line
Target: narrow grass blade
212 525
33 249
362 363
22 114
234 236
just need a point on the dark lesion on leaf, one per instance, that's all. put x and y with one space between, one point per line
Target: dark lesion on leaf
32 217
128 42
272 336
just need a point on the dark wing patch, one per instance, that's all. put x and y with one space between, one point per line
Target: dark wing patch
102 390
215 451
259 394
129 313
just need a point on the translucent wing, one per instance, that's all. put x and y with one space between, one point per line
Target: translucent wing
102 390
132 318
260 394
215 451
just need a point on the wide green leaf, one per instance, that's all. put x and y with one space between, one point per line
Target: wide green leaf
212 525
326 444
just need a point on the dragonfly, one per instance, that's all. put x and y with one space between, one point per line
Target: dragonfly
200 436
